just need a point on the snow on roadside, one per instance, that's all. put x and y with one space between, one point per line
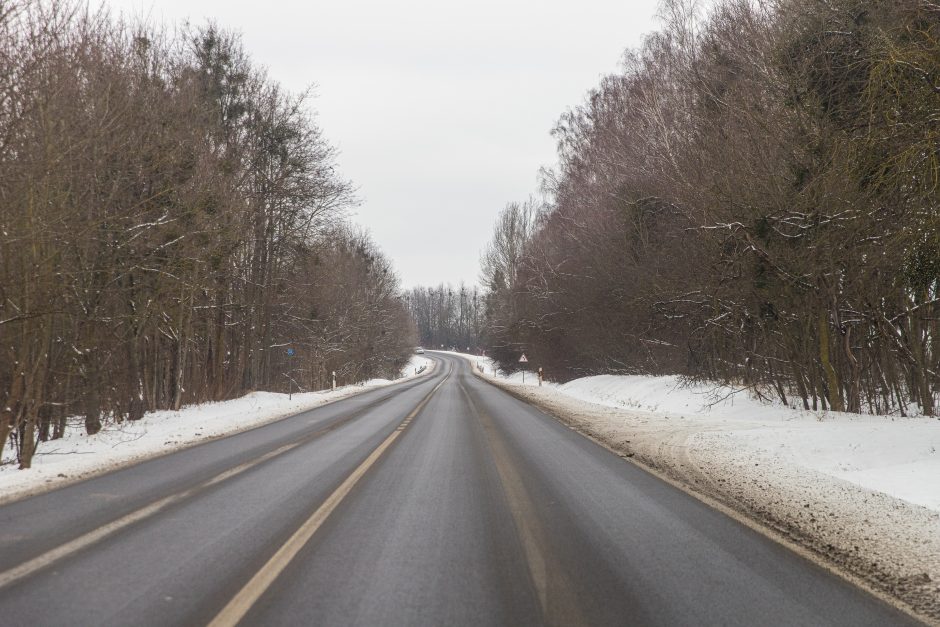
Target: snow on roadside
897 456
858 491
77 455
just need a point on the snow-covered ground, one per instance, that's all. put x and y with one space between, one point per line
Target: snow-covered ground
897 456
77 455
859 491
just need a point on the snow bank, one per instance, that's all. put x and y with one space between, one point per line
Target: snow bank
858 491
77 455
897 456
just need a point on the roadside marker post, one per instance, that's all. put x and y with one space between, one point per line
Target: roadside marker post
540 376
290 380
334 380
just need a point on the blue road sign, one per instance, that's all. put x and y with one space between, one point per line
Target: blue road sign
290 352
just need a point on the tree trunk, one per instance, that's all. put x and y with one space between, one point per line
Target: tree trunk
92 395
28 440
854 403
832 378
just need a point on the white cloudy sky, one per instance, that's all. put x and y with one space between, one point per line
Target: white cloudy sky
441 110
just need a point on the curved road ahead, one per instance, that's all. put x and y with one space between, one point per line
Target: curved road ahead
442 501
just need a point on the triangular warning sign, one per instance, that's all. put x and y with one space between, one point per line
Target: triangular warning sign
523 360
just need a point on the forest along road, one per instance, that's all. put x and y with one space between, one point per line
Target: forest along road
444 501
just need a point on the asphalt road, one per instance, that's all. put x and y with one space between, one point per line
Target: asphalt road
443 501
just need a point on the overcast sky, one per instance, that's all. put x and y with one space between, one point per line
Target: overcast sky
441 110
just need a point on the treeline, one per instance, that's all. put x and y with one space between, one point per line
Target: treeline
447 316
171 225
753 199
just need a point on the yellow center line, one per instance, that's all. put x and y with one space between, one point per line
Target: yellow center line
245 599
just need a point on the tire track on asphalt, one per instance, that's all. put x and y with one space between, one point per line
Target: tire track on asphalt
555 593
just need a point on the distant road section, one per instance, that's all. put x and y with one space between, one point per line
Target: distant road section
443 501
